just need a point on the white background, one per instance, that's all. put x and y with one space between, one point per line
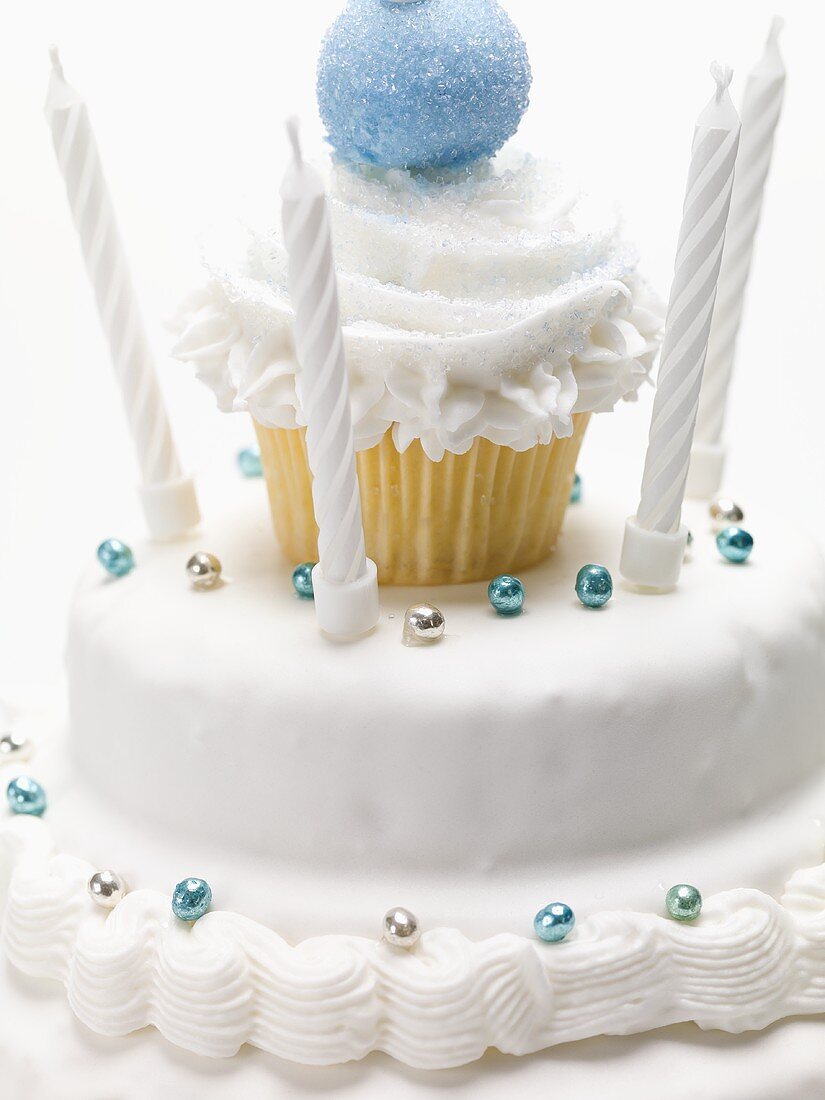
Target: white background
188 100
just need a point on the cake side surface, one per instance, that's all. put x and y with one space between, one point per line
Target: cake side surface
514 754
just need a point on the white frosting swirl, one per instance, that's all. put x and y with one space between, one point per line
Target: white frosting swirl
224 981
490 304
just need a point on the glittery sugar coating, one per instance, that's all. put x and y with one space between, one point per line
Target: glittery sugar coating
436 83
494 301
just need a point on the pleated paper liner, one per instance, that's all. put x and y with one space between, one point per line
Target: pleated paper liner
466 518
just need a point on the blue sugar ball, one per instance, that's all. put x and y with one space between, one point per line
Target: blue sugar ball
735 544
427 84
115 557
594 585
576 491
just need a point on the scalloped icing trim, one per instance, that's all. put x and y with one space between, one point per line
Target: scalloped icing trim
224 981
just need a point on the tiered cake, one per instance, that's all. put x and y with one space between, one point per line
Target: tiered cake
590 816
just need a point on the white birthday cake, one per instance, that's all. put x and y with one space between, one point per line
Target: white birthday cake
426 774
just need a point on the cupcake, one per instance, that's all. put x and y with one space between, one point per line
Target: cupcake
487 312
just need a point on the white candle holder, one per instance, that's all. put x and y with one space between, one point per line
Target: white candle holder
707 465
346 609
170 508
652 559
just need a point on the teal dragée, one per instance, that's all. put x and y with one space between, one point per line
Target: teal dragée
683 902
433 84
554 922
735 544
115 557
26 796
506 595
594 585
302 580
191 899
249 462
576 491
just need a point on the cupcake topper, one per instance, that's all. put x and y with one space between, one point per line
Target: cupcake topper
422 83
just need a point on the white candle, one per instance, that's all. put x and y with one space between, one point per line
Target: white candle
168 498
346 598
761 108
698 258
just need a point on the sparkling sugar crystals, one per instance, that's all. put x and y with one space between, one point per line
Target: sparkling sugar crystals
554 922
423 624
26 796
302 580
683 902
735 544
594 585
107 889
191 899
115 557
506 595
401 928
438 83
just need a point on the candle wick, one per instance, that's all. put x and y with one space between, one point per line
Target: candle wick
295 141
57 65
776 29
723 75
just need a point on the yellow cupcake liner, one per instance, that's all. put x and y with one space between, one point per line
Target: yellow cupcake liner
466 518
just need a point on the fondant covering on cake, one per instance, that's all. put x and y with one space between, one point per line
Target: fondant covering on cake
491 301
517 758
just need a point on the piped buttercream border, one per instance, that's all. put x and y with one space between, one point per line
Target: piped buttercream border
224 981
